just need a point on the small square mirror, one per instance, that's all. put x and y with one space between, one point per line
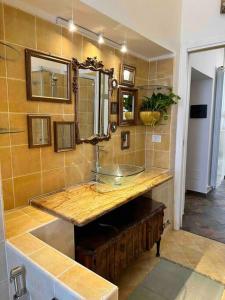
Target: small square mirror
127 106
39 131
64 136
127 75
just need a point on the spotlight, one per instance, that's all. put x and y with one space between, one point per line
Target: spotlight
101 39
123 48
71 26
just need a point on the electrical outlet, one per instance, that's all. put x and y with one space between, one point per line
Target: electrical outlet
156 138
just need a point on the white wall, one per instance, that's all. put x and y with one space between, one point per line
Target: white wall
153 19
202 23
199 137
199 142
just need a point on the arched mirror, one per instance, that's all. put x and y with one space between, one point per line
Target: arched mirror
92 88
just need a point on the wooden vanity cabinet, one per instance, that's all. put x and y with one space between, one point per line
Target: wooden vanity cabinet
108 245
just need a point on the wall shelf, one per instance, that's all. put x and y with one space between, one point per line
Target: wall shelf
11 130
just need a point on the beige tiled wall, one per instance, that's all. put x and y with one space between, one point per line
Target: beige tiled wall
30 172
162 154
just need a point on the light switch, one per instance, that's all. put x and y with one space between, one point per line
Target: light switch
156 138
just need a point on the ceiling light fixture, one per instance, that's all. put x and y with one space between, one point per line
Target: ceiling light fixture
101 39
123 48
71 26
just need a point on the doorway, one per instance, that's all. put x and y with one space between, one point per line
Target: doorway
204 210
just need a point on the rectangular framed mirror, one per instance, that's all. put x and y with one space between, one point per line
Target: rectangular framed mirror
48 78
92 100
39 131
64 136
127 75
127 106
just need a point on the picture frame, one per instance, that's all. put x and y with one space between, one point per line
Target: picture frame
127 75
114 108
39 131
125 140
64 136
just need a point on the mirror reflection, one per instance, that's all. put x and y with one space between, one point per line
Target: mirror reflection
64 136
127 106
93 104
39 131
48 77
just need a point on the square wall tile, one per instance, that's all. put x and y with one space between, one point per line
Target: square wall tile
48 37
3 95
25 160
19 121
161 159
50 159
26 187
1 21
71 44
17 19
2 63
17 98
4 123
8 197
5 162
53 180
18 59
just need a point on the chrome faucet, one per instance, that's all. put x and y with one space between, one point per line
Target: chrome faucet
98 150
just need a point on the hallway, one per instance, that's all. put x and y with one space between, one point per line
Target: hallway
205 216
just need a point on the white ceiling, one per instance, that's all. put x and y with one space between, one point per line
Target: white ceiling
95 21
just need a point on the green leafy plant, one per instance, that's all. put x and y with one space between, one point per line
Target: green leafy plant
128 102
160 101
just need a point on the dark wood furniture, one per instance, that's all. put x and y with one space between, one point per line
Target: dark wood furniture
109 244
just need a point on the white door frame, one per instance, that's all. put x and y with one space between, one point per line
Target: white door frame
184 80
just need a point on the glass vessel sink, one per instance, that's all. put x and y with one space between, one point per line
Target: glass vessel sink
118 170
116 176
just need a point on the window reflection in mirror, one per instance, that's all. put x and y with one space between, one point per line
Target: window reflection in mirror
93 103
48 78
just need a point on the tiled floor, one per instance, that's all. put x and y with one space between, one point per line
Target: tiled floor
193 251
206 215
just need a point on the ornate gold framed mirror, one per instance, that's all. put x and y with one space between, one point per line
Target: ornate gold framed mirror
92 88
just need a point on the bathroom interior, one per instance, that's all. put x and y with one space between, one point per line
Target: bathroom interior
87 184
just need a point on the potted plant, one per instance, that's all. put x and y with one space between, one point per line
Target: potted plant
156 106
128 106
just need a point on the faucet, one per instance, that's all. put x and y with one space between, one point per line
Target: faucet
98 150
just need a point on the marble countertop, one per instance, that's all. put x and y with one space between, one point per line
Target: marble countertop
86 202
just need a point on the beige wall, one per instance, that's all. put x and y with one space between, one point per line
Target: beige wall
30 172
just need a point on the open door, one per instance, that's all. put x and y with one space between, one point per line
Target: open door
218 145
